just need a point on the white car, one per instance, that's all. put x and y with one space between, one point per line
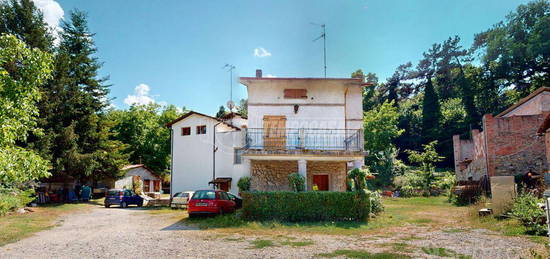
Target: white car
180 199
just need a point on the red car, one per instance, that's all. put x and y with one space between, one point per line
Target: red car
210 202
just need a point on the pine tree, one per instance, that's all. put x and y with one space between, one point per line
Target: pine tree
431 112
76 139
24 20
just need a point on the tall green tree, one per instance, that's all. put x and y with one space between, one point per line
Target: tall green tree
518 49
143 129
24 20
22 71
431 112
71 113
380 126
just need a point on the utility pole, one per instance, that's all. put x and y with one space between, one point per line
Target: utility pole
324 36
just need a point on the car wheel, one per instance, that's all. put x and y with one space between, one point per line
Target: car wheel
107 205
192 216
123 205
140 204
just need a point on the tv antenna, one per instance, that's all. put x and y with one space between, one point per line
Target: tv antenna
324 36
230 103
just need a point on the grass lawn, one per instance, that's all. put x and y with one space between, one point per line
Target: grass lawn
432 212
435 211
15 227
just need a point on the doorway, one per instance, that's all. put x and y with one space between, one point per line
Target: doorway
321 180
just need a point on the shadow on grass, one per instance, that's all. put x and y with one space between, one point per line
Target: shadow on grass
235 221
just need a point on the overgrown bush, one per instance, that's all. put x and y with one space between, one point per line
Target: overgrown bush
411 184
297 182
375 199
415 183
12 199
358 179
526 209
244 184
306 206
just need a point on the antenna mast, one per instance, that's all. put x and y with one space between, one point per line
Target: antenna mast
324 36
230 103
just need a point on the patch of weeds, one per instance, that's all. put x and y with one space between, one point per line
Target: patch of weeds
362 254
422 221
261 243
411 238
399 247
444 252
297 243
454 230
234 239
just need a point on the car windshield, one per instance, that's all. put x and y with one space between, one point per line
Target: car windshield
114 192
204 195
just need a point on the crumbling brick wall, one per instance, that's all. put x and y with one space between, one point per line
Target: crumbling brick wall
513 146
470 157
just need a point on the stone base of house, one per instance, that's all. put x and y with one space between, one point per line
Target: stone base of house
272 175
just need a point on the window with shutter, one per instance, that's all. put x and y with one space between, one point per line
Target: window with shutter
295 93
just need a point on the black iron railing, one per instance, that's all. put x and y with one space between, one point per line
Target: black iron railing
305 139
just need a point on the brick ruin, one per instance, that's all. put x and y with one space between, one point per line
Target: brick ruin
508 145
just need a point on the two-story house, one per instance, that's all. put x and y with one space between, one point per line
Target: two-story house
310 126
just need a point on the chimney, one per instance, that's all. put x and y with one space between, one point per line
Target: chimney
258 73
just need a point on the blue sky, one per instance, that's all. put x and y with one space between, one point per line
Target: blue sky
173 51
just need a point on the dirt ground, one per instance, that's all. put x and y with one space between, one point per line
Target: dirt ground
141 233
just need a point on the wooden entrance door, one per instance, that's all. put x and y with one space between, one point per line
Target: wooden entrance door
274 132
321 180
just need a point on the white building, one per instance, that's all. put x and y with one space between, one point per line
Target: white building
311 126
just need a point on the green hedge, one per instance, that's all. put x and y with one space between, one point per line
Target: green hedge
305 206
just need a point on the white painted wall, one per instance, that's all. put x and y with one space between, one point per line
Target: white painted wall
193 158
329 103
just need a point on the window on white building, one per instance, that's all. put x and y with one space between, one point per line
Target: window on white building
237 159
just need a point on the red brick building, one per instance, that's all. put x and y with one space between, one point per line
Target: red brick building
509 143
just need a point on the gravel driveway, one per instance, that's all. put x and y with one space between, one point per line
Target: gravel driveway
136 233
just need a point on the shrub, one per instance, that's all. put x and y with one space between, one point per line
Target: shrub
526 209
358 178
297 182
375 199
305 206
411 184
244 184
12 199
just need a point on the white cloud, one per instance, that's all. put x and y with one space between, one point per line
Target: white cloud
141 96
53 13
270 75
261 52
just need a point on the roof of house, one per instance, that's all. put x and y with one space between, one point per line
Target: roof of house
200 114
128 167
232 115
524 100
357 80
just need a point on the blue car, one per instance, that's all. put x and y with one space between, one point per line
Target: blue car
123 198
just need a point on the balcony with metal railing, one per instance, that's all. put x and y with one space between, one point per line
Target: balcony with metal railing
298 141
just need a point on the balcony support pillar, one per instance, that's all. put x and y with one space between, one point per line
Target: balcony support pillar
302 170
